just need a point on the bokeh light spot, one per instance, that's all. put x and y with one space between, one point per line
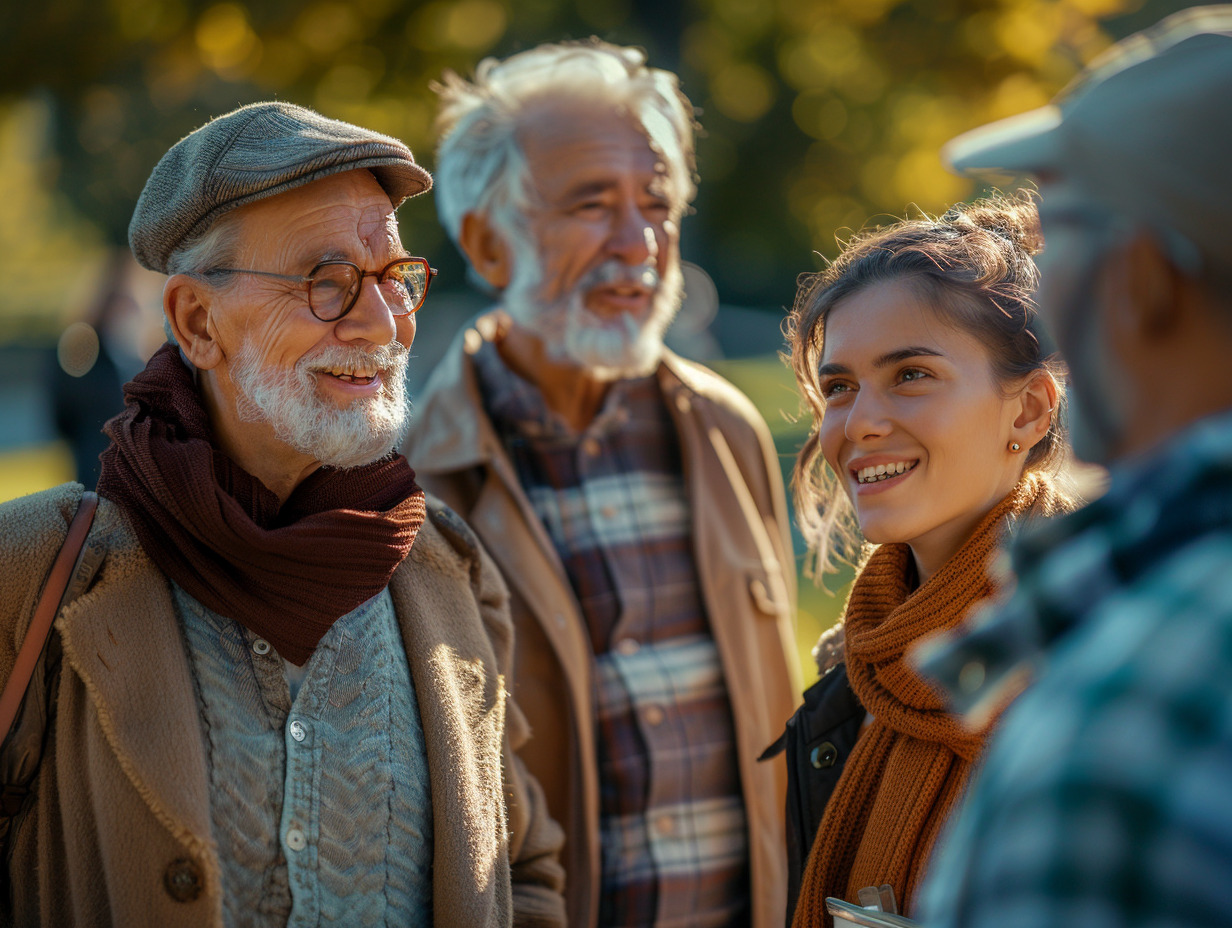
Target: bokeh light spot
77 349
743 92
225 39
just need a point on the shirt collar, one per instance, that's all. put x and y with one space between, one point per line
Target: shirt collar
516 406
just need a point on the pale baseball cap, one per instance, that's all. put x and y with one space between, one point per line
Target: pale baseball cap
1145 130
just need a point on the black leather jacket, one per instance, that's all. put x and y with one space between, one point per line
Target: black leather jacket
818 740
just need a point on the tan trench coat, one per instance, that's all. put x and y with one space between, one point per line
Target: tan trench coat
744 558
120 833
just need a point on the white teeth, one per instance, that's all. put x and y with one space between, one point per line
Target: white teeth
879 472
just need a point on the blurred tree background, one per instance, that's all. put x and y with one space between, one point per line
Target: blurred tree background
818 116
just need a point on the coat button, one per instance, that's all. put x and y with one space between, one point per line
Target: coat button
823 756
627 647
182 880
261 646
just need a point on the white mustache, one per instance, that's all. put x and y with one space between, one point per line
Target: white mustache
385 357
615 271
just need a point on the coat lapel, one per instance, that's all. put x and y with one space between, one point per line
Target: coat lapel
123 640
462 710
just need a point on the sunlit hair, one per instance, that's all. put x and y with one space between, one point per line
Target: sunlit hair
973 266
215 247
480 166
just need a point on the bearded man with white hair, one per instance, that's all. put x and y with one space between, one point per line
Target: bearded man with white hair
632 500
277 691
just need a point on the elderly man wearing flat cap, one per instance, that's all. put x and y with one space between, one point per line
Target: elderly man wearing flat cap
1106 798
276 694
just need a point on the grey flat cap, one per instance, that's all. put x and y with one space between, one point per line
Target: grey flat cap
1146 130
251 153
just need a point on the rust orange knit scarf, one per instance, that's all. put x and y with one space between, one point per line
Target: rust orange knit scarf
912 761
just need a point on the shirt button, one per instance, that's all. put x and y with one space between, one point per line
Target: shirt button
971 677
608 512
653 715
261 646
628 646
296 840
591 447
665 824
298 732
182 880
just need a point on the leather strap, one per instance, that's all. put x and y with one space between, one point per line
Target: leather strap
45 613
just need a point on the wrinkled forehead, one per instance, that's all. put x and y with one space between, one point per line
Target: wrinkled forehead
338 213
557 119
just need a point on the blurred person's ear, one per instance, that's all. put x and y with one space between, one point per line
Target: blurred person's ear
187 304
486 250
1153 297
1037 401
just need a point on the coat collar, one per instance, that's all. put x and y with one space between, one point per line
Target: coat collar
449 437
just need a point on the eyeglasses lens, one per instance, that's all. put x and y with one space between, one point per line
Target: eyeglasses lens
335 287
333 290
405 283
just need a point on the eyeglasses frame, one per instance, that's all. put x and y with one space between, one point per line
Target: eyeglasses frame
379 275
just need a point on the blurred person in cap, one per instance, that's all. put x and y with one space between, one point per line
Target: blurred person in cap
282 697
1104 800
633 500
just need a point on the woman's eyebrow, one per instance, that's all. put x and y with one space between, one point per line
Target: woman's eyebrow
897 356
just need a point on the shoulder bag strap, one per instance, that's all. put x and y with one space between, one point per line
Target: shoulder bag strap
45 613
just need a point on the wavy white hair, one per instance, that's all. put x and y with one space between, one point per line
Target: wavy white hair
480 166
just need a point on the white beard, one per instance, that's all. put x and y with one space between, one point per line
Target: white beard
363 432
615 348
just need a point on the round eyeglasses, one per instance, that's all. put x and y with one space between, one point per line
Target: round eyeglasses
333 286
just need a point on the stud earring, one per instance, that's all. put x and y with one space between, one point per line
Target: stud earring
1015 447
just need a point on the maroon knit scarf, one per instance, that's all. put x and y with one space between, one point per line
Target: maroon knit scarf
286 572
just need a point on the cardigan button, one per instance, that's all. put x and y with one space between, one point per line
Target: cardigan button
823 756
182 880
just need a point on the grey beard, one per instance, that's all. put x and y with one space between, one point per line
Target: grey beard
359 434
610 349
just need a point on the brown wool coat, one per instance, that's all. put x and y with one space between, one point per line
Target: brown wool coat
747 572
122 797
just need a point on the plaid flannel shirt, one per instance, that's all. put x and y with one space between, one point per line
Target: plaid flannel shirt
672 822
1106 798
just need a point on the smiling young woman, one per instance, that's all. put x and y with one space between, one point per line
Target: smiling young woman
938 423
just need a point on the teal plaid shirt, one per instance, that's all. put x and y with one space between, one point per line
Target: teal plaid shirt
1106 798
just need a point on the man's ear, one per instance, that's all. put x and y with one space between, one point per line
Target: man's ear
188 303
1150 283
486 250
1036 405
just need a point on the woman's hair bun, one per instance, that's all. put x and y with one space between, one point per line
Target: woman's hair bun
1014 218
